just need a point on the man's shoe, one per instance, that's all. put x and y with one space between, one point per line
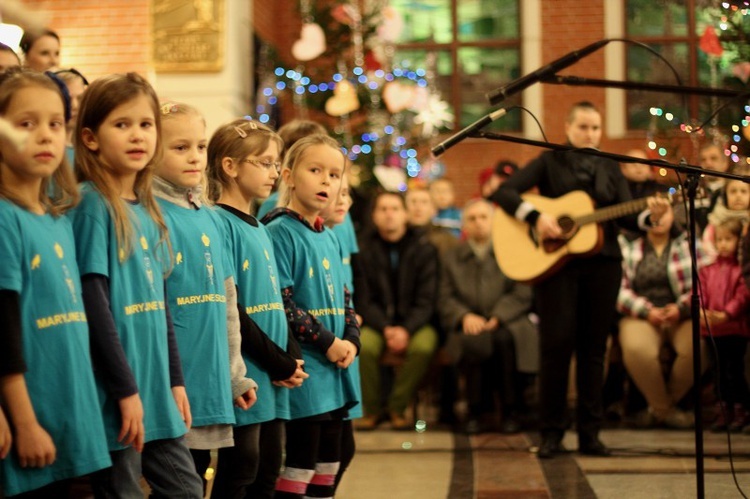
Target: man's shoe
510 425
549 447
366 423
593 447
473 427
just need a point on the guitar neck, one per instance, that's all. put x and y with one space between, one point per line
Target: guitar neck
612 212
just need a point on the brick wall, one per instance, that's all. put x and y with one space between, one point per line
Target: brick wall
100 38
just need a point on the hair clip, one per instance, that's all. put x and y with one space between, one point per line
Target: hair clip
242 133
168 108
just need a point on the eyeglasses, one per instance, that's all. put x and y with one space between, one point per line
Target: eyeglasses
265 164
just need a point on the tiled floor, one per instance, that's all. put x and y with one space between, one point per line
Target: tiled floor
645 464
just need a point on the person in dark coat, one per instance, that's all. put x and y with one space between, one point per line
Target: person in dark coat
396 294
488 318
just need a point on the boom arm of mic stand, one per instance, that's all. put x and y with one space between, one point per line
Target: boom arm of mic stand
621 158
635 85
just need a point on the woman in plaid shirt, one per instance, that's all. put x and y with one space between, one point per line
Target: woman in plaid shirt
655 301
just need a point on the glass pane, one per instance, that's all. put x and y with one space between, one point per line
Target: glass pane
656 18
487 20
482 70
645 67
425 20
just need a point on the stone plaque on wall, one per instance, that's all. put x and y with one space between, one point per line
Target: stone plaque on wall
188 35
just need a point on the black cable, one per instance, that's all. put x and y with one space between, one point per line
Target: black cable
718 110
535 119
669 65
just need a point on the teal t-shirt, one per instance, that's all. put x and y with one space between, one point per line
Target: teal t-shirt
38 262
268 205
347 238
198 305
256 275
136 288
309 262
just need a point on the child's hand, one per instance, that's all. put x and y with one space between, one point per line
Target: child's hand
295 379
181 398
34 446
351 354
132 430
337 351
247 399
5 436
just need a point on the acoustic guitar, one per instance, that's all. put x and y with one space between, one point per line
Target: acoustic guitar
523 258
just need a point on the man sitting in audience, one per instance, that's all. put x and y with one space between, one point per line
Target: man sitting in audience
396 294
490 335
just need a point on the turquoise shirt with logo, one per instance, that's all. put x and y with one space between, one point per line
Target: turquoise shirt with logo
347 238
198 305
38 262
309 262
256 275
136 288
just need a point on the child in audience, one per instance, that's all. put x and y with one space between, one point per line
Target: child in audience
46 380
243 158
733 204
200 288
319 310
444 197
725 300
123 256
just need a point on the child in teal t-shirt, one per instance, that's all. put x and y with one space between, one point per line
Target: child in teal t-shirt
124 256
46 379
200 288
319 311
243 161
336 218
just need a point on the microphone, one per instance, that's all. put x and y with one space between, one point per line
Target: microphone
474 127
502 93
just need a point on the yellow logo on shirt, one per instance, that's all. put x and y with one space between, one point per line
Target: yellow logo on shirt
36 261
326 264
178 258
144 243
59 251
121 254
245 265
206 240
311 273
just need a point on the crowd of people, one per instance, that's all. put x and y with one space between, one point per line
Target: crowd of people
155 310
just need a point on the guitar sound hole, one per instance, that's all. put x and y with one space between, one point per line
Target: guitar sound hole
567 225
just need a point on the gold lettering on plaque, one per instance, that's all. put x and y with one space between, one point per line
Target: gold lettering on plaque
188 35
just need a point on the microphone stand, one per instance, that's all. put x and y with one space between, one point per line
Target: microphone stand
693 174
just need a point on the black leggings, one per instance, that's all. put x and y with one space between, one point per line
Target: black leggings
313 456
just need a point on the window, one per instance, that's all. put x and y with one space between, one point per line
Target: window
675 28
473 46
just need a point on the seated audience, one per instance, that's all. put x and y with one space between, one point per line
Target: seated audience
733 204
448 215
492 178
420 211
490 336
396 294
654 299
725 300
